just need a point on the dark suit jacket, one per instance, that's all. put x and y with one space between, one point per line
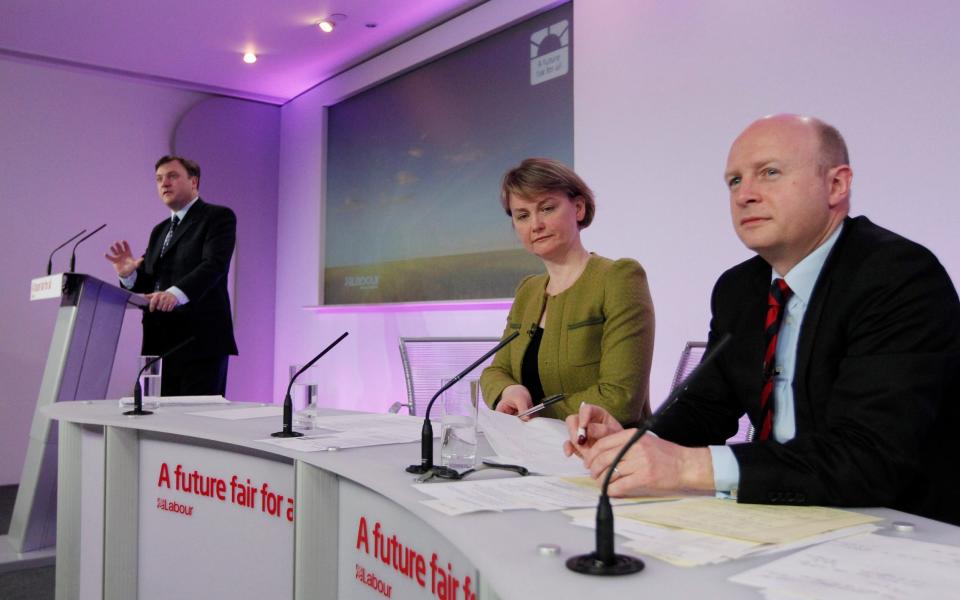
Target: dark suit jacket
876 387
196 261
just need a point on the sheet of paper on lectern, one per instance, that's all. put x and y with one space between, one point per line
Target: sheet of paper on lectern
862 567
760 523
536 444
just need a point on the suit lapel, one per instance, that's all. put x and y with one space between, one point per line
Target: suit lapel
755 312
810 328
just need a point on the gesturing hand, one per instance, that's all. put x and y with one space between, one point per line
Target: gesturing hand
122 258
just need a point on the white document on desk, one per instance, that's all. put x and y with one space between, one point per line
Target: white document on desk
237 414
354 431
513 493
863 567
536 444
181 400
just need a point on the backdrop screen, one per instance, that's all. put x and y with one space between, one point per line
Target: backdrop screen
414 167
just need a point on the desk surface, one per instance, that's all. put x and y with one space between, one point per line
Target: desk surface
502 546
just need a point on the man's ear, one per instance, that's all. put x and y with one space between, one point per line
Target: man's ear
840 182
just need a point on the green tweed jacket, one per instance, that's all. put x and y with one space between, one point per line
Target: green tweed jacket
597 341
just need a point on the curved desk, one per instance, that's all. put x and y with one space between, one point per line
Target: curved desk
125 531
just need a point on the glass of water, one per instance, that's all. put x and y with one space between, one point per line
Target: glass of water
150 381
458 419
303 393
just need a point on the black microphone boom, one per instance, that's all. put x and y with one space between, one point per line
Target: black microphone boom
287 430
426 435
604 561
50 259
73 254
138 389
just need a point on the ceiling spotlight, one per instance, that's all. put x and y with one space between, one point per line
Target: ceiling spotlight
327 24
249 58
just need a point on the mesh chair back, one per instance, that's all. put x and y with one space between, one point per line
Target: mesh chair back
689 359
428 360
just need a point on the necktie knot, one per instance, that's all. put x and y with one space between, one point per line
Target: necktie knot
780 292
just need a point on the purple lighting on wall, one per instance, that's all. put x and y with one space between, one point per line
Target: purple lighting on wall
404 307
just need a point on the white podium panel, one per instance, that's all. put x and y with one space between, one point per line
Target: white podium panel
387 552
205 511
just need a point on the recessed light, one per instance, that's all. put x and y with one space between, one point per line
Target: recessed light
327 24
249 58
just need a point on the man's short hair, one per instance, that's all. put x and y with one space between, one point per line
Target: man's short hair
192 168
833 148
536 176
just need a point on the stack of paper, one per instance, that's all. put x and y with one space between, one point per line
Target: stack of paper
863 567
700 531
537 493
536 444
354 431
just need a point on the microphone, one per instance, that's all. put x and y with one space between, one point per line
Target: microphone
426 436
287 430
73 255
604 561
50 260
138 390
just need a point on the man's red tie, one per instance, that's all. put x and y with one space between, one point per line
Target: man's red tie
780 293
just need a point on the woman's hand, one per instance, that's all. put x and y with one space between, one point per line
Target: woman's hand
514 400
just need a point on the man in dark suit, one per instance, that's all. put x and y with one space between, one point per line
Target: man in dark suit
845 352
184 276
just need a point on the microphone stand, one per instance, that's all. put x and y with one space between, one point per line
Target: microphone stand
50 259
604 561
138 389
73 254
287 431
426 435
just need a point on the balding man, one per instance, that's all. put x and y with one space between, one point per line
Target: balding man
845 352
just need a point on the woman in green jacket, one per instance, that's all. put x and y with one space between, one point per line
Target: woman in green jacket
586 324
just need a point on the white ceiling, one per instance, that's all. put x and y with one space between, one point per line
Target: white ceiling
199 43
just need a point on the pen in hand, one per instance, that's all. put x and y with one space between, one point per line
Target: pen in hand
582 430
546 402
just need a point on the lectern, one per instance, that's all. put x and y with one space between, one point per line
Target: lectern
78 367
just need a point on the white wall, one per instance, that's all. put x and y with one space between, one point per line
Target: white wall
76 150
661 89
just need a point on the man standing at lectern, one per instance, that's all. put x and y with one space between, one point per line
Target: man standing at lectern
845 352
183 274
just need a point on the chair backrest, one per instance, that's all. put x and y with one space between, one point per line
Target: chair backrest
689 359
427 360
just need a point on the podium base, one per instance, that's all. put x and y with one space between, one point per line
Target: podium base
138 412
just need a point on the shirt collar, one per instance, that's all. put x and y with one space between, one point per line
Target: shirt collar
803 276
180 214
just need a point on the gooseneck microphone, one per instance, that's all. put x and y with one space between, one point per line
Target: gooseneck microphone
50 259
287 430
138 389
73 254
604 561
426 435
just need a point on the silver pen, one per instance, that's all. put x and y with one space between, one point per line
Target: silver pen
546 402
